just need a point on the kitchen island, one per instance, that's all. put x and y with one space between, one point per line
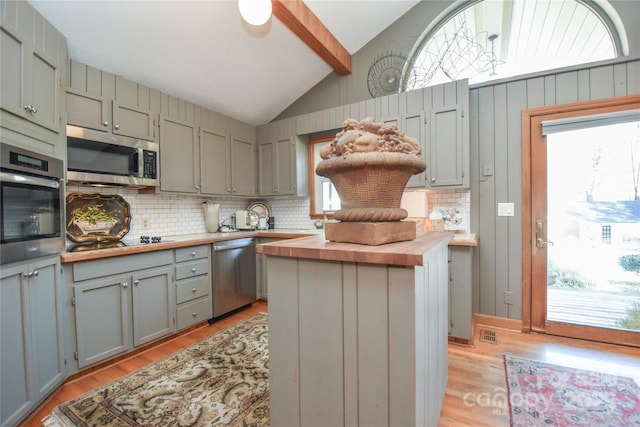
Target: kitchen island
357 334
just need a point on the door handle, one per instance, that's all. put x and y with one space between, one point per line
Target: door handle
540 242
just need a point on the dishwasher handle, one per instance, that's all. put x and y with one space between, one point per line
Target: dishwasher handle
233 244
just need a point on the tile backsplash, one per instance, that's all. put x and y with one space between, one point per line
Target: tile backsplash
173 214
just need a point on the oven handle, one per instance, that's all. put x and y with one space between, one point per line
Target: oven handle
28 180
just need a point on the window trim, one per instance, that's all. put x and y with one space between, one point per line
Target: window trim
313 213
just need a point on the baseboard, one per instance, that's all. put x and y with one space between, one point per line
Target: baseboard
497 322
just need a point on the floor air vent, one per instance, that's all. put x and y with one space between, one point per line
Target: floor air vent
488 336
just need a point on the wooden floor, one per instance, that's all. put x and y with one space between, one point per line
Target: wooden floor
476 388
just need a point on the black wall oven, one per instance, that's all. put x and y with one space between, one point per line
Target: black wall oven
31 202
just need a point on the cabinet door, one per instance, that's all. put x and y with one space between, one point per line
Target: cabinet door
45 318
414 126
103 319
13 55
285 167
87 111
242 168
215 161
445 148
179 165
460 310
44 85
132 121
31 72
14 387
153 305
267 181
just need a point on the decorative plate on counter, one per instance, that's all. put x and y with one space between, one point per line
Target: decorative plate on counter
453 217
97 217
262 209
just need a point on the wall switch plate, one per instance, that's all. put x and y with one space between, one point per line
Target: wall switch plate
505 209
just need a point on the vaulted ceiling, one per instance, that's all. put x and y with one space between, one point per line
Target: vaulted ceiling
203 52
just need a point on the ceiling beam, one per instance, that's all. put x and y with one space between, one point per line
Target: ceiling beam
306 25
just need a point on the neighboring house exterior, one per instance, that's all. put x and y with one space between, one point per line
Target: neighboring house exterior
607 223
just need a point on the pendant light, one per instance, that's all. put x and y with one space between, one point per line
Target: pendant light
255 12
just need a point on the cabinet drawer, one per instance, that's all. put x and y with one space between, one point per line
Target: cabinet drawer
194 252
194 312
189 289
192 269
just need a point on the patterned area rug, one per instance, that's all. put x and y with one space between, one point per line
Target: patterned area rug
220 381
548 395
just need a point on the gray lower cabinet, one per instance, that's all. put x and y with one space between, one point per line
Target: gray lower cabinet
460 310
121 303
31 351
193 286
261 269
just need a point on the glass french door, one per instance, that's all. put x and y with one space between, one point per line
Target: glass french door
585 224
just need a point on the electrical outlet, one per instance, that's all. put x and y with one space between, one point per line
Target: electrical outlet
508 295
487 169
145 223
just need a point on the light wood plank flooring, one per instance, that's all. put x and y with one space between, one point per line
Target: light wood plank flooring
476 388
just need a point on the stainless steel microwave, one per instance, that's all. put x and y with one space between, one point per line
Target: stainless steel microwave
100 158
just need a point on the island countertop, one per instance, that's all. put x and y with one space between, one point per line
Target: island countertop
407 253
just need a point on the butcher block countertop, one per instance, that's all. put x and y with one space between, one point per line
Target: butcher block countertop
407 253
173 242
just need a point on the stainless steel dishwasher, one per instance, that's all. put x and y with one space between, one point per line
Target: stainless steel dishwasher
234 275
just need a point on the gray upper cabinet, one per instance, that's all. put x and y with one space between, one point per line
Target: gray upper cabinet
132 121
179 157
215 162
88 111
414 126
33 60
276 167
243 182
437 116
32 352
282 160
446 148
109 103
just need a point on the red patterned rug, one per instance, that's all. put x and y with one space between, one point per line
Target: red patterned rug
541 394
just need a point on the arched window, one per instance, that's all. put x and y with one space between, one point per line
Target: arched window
488 39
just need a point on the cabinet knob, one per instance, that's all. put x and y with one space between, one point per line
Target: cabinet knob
194 290
433 179
117 126
105 123
193 253
30 108
136 282
125 284
193 270
194 314
27 275
197 187
234 190
35 273
228 190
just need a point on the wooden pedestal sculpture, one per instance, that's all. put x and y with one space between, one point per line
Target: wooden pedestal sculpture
370 164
